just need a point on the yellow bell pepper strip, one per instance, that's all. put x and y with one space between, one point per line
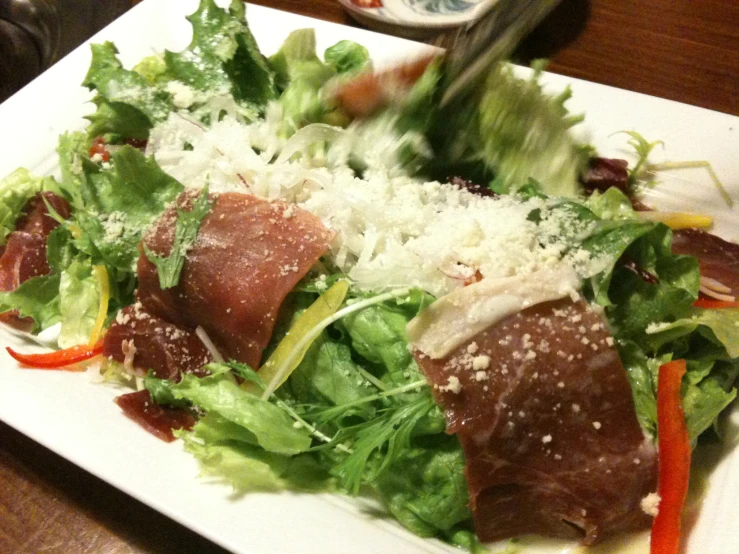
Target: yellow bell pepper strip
324 307
679 220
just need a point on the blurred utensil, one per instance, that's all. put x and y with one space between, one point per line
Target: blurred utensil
471 50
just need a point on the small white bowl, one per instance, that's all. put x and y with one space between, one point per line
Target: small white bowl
415 19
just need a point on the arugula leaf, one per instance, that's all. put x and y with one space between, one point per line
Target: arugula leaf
642 374
388 433
271 427
15 190
37 298
79 300
186 231
643 148
637 303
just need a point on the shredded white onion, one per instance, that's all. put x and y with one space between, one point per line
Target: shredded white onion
205 339
714 285
717 295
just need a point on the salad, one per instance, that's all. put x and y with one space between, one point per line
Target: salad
461 311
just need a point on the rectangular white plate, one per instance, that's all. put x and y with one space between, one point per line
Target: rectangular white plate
78 420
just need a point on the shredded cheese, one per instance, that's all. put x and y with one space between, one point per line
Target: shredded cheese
392 230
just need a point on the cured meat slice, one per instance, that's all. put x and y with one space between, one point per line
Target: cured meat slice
604 173
154 344
24 254
544 412
718 259
160 421
249 254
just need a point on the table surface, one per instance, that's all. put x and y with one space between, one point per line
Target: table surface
679 49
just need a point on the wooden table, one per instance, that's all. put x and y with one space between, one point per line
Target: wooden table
679 49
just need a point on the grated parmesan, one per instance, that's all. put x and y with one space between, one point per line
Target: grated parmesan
391 229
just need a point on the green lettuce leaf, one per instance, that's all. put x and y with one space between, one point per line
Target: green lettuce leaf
425 488
79 300
116 121
271 427
704 401
642 373
637 303
117 85
223 56
508 132
347 56
328 374
378 335
113 206
721 326
301 74
227 453
37 298
525 134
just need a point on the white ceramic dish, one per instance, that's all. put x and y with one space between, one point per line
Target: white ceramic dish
78 420
414 18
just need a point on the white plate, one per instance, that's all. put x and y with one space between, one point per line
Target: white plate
78 420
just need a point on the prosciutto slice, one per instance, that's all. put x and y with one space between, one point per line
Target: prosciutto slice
24 254
160 421
604 173
154 344
544 412
249 254
718 259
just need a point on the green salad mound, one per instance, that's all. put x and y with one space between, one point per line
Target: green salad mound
354 414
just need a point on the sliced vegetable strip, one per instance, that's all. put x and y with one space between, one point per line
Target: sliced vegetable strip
674 459
714 304
59 359
101 274
324 307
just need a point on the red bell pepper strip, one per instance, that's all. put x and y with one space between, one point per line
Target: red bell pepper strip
61 359
714 304
674 459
